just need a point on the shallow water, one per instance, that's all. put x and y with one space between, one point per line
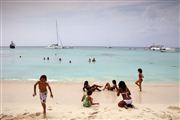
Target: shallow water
111 63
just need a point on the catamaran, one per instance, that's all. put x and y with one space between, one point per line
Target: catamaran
161 48
59 44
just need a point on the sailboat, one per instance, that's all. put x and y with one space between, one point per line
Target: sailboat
57 45
12 45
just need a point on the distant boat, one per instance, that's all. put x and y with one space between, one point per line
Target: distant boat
167 49
161 48
12 45
155 47
57 45
108 47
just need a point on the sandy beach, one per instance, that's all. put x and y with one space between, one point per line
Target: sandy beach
155 102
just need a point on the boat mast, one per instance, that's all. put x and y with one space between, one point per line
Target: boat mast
58 35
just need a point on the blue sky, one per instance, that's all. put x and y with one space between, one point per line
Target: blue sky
90 23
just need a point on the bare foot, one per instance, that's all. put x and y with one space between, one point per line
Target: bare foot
44 115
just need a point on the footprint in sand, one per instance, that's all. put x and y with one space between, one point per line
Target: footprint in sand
91 117
73 119
94 113
25 113
3 116
33 115
147 110
95 108
119 110
49 108
38 114
7 117
174 108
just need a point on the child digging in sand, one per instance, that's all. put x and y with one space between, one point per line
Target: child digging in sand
139 81
42 84
88 100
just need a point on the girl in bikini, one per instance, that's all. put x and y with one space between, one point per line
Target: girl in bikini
124 91
139 81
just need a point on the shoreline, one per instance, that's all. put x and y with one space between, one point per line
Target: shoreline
157 101
101 82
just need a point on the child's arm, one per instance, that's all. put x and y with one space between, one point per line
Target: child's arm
84 89
116 88
118 92
34 94
83 98
129 91
50 90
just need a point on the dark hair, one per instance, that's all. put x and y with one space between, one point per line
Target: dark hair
89 92
114 82
86 83
140 70
122 85
43 76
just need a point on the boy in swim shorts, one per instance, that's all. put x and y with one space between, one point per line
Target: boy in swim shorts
42 84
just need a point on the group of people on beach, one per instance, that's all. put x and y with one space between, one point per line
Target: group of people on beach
120 89
87 100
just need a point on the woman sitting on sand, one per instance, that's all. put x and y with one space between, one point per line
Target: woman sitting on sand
127 101
88 100
108 87
92 88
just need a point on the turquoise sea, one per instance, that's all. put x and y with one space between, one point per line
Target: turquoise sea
111 63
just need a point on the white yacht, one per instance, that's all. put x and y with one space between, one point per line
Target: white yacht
155 47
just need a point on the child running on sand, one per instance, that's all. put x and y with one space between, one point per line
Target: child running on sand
139 81
108 87
92 88
88 100
127 101
42 84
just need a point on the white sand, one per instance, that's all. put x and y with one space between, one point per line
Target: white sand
156 102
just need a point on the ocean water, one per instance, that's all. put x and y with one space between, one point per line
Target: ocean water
111 63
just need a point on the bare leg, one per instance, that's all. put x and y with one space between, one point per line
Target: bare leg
122 104
140 86
107 86
98 89
44 109
137 82
96 85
